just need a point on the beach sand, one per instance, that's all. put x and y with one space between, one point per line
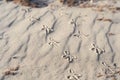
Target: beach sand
57 42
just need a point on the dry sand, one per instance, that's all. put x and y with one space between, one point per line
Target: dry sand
57 42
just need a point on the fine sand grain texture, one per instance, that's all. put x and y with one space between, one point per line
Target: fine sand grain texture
57 42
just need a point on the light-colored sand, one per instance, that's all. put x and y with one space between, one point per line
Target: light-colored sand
59 42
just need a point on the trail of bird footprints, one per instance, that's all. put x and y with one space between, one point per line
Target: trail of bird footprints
108 71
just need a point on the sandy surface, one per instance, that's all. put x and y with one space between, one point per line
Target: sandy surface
57 42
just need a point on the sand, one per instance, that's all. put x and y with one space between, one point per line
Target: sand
57 42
